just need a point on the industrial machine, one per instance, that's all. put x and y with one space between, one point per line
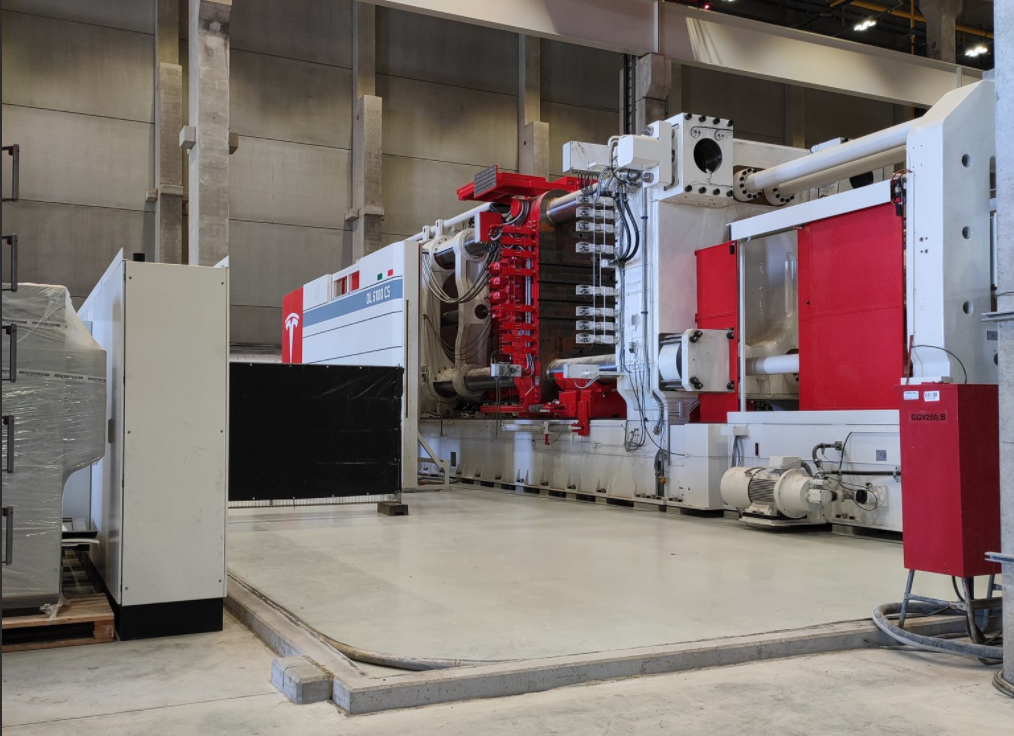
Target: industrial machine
54 395
686 319
160 490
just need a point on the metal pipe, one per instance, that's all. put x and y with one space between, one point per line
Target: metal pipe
838 173
475 380
772 365
868 145
464 216
444 257
564 209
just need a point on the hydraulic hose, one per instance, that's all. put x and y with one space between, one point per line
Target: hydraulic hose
1002 685
366 656
931 643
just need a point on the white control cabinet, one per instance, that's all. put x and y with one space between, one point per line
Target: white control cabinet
160 493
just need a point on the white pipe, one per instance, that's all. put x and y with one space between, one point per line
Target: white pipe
864 147
838 173
465 216
772 365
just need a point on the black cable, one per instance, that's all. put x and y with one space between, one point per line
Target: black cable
937 347
637 231
957 592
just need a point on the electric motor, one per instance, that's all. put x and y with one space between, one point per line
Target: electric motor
774 491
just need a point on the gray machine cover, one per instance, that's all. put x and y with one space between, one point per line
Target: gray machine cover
54 412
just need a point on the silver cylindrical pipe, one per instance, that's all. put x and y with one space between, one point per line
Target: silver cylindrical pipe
838 173
444 257
868 145
474 380
564 209
772 365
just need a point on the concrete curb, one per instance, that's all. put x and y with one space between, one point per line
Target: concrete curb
358 693
301 680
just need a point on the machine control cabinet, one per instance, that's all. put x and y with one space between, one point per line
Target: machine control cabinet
950 443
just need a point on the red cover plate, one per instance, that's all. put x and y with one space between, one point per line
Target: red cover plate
718 309
852 310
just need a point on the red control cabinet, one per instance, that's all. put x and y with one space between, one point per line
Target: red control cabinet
950 477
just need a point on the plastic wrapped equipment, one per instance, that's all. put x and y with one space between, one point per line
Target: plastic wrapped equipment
54 408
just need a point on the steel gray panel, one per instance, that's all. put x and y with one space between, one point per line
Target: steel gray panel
255 325
443 123
829 115
311 30
70 245
756 106
290 100
581 76
417 192
75 67
568 123
80 159
269 261
289 183
132 15
435 50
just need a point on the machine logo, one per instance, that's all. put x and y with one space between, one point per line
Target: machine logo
292 327
291 323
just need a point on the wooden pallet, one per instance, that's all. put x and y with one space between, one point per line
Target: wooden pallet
81 620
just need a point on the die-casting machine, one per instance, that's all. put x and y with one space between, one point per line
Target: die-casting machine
687 318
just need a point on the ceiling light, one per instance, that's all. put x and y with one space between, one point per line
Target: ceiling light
978 50
868 23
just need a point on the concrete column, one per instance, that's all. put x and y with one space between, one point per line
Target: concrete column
168 246
941 17
533 134
208 208
795 116
364 49
1003 53
652 80
675 104
367 213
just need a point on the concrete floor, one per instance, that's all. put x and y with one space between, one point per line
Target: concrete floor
218 684
480 574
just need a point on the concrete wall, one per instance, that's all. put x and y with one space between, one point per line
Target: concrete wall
291 106
450 110
78 96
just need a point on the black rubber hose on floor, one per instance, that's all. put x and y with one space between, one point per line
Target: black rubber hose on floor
931 643
366 656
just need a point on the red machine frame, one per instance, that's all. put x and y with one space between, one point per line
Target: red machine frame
514 299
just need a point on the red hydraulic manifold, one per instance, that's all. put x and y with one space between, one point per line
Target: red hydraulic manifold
514 300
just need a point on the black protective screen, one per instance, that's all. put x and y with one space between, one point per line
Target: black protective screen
313 431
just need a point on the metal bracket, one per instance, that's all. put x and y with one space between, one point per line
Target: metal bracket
998 316
12 241
15 153
1000 557
9 425
12 363
8 547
